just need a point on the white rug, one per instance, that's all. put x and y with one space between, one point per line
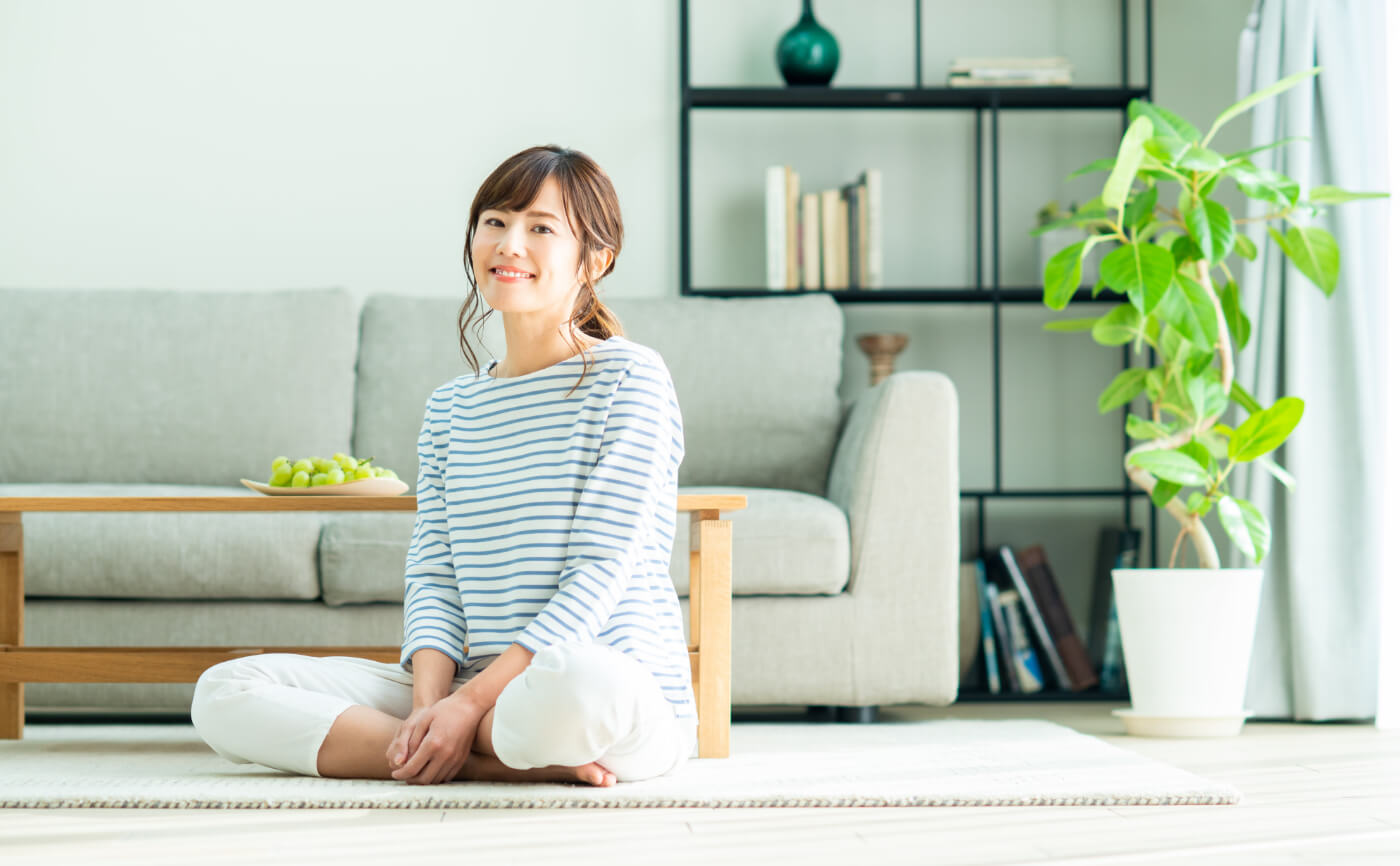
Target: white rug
919 763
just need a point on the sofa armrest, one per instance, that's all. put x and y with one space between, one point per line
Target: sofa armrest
895 475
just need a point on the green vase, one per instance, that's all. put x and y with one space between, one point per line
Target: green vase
807 54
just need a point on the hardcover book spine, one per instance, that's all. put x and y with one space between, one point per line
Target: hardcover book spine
1046 591
775 213
1042 634
989 643
1027 667
1003 640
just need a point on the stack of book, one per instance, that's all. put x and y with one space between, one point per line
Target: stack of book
1028 640
826 239
1009 72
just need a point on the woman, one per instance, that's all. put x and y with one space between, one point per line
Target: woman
542 633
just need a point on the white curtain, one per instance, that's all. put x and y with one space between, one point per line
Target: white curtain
1317 646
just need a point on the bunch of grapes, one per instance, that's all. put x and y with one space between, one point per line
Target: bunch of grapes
316 471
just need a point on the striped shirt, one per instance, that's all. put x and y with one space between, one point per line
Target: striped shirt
546 517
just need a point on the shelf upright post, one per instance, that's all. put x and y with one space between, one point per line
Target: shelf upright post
996 295
977 162
685 147
918 43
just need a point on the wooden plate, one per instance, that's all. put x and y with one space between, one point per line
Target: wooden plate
363 487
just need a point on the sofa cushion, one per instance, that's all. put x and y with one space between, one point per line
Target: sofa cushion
171 387
757 380
166 555
784 543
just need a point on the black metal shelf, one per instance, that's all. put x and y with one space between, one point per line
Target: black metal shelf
1040 697
912 295
987 105
958 98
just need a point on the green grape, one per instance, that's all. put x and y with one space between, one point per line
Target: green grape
321 464
279 462
303 465
345 462
281 476
336 475
320 479
389 473
301 479
364 472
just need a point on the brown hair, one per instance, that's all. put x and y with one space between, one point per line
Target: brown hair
592 210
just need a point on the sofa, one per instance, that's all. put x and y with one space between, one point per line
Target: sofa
845 563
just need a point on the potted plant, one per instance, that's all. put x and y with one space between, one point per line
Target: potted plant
1066 232
1187 633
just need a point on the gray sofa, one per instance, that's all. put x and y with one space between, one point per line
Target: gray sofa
845 562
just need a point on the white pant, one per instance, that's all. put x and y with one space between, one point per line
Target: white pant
574 704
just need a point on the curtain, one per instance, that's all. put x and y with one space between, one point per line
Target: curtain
1316 648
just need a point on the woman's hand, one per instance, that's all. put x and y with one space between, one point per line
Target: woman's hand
433 743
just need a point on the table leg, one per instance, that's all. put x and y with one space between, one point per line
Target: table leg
11 619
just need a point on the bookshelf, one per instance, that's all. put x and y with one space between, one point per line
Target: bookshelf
987 106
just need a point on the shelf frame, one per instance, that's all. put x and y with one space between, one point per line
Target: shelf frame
990 101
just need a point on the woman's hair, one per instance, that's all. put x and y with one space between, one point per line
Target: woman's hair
592 211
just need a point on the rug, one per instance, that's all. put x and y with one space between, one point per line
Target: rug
951 762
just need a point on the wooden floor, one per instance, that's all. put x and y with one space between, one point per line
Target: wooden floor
1324 793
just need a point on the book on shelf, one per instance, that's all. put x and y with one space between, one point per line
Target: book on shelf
822 239
1025 664
989 639
1009 72
1118 548
1045 592
1003 639
1006 559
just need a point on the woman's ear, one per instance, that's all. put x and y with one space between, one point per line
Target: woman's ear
600 261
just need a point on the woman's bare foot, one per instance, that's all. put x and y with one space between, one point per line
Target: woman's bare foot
488 768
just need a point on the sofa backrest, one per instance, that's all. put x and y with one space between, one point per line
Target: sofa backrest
185 387
757 380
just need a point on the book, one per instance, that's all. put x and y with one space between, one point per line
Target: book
811 242
989 642
843 231
873 182
1037 619
1003 639
849 196
1118 548
775 226
969 624
830 216
1027 667
791 277
1045 591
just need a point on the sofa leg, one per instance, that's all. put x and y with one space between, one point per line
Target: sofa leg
853 715
856 715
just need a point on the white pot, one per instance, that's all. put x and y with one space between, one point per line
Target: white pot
1187 637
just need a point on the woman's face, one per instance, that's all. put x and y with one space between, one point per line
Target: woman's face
527 261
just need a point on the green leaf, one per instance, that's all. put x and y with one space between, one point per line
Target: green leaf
1235 319
1198 158
1105 164
1115 189
1166 149
1155 384
1062 274
1243 154
1333 195
1265 185
1187 308
1244 398
1163 121
1198 452
1278 472
1255 98
1210 226
1141 428
1070 326
1314 251
1163 491
1185 250
1171 466
1197 503
1266 430
1120 325
1139 211
1245 247
1142 270
1124 387
1246 527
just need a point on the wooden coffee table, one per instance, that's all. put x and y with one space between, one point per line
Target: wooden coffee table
710 583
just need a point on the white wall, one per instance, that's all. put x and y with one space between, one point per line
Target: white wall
269 145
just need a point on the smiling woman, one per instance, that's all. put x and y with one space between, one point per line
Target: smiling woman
544 228
542 632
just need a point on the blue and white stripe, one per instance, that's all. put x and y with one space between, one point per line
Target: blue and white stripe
546 517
